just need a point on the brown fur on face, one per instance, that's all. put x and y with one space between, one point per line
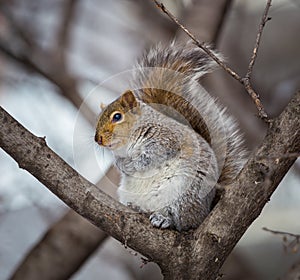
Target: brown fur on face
111 134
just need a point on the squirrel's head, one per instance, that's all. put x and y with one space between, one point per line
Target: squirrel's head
115 122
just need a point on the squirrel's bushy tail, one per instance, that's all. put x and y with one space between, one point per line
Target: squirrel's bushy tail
169 76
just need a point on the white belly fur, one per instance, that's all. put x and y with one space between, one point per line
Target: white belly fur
160 189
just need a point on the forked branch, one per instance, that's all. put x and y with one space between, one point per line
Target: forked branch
206 248
245 81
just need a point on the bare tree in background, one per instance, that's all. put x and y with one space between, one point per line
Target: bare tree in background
195 254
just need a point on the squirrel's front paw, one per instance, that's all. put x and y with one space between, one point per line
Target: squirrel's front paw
160 221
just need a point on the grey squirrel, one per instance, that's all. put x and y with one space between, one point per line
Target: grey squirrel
171 141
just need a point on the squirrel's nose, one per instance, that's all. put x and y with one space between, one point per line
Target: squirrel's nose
98 139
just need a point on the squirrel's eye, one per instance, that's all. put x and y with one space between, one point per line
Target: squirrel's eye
116 117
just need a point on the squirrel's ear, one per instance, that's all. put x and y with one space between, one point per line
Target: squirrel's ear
128 100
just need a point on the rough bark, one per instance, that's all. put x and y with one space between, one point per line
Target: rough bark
246 197
192 255
56 71
72 233
34 267
32 154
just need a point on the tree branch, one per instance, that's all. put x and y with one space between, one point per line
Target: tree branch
263 22
289 245
51 64
206 248
33 154
284 233
201 45
244 81
245 198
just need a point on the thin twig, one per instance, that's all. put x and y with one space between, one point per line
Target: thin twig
277 232
244 81
255 97
198 43
264 19
292 245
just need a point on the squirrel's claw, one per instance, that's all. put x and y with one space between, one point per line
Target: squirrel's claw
160 221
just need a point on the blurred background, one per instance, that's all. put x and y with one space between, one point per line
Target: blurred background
59 60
